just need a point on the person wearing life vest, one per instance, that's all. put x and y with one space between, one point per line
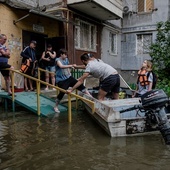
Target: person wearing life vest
144 82
29 54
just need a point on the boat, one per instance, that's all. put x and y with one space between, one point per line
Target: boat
132 116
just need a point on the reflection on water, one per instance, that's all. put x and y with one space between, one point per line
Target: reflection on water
29 142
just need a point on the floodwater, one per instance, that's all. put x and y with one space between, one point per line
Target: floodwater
31 143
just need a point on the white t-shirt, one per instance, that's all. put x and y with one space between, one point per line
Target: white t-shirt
99 69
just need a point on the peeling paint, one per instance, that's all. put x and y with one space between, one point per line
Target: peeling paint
14 44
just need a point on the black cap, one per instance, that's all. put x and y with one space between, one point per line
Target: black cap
34 42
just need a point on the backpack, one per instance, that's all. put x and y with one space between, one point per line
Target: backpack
155 78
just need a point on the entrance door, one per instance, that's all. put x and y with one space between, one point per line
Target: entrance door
40 38
57 43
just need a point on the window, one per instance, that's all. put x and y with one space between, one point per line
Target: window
85 36
145 5
143 43
113 43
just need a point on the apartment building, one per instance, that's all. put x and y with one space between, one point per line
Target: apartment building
139 31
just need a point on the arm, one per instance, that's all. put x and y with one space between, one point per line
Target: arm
43 57
79 66
80 81
5 53
24 53
52 55
59 64
134 94
150 86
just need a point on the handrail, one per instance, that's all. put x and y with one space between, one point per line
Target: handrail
38 81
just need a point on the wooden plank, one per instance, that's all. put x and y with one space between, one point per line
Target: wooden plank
28 100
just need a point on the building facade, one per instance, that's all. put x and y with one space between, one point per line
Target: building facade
76 25
139 31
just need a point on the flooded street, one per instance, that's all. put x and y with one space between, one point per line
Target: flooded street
31 143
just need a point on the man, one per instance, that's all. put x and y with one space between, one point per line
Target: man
109 77
64 79
4 56
29 53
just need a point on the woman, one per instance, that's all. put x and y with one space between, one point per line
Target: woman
145 79
48 58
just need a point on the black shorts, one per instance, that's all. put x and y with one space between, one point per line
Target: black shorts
30 71
111 83
5 73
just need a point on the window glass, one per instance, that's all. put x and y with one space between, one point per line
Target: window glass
85 36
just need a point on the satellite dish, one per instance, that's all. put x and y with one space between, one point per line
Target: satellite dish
126 9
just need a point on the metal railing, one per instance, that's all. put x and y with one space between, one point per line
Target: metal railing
38 83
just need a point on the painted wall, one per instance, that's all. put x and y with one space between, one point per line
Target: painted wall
14 32
106 56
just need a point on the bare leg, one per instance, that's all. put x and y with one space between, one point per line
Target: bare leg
115 95
52 79
7 83
101 94
25 84
56 106
47 79
30 84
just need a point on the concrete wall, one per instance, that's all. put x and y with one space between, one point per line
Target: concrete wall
106 56
14 32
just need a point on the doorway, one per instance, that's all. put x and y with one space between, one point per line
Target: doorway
40 38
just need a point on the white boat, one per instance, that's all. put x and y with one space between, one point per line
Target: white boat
128 117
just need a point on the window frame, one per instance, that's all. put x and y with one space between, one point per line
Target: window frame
142 43
145 7
111 35
92 38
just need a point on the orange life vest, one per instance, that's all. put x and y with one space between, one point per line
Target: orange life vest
25 66
142 78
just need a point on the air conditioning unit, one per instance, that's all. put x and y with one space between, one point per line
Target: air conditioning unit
126 10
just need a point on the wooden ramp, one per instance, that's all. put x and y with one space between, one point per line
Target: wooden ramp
28 100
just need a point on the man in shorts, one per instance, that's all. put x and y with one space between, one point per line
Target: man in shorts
108 76
4 56
30 54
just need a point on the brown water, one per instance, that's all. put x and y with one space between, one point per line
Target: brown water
31 143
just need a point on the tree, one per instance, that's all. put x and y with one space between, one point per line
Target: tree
160 55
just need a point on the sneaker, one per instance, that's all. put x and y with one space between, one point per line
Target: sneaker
54 89
46 89
56 110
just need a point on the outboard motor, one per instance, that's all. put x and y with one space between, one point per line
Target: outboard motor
154 103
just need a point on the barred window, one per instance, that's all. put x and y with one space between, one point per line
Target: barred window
143 43
113 43
145 5
85 36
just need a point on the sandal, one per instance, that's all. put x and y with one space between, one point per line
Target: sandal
56 110
10 94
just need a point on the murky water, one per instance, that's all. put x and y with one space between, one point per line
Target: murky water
31 143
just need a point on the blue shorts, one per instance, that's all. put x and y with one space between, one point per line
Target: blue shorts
111 83
50 68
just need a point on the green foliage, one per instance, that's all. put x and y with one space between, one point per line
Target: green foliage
160 54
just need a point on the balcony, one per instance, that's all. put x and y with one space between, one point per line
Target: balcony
100 9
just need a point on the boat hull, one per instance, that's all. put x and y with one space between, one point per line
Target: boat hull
130 123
